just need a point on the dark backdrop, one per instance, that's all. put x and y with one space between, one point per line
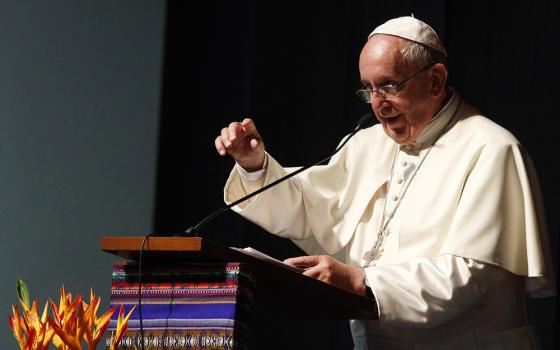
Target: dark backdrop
292 67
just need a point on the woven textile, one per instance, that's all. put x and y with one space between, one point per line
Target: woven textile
185 306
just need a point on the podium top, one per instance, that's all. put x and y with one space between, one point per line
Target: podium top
170 247
180 248
283 290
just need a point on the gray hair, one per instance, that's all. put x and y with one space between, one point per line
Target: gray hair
421 55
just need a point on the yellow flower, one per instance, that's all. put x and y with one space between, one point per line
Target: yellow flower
95 326
72 322
67 322
122 326
31 332
19 326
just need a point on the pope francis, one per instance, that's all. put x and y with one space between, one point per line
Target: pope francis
435 212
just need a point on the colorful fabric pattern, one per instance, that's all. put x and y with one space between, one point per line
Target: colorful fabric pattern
185 306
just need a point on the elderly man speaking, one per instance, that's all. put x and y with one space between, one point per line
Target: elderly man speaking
435 212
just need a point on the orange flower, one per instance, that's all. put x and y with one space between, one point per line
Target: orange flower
72 321
95 326
67 322
31 332
122 326
19 326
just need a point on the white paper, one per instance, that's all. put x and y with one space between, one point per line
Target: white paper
257 254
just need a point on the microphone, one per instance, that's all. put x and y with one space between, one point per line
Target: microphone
365 121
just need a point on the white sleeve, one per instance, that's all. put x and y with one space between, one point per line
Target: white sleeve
246 183
427 292
253 176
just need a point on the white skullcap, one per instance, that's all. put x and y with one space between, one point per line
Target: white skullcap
411 29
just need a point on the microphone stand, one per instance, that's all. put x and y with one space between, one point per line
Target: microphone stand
366 121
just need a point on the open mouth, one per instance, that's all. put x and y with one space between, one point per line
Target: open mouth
392 121
387 112
395 124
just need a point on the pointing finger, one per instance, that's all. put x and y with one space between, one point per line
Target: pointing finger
235 131
249 126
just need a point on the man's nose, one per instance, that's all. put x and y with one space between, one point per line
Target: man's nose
378 100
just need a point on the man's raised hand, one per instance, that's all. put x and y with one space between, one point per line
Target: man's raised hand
242 141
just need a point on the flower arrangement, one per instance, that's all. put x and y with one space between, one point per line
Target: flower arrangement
73 322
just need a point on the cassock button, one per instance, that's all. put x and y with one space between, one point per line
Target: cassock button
400 181
395 198
404 163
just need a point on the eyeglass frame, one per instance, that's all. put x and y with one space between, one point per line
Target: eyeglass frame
366 94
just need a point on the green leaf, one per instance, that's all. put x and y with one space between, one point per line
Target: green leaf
23 292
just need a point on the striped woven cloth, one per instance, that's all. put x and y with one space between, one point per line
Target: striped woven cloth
185 306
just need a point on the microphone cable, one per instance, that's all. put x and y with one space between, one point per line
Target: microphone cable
140 290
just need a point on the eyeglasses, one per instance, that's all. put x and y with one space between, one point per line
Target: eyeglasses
366 94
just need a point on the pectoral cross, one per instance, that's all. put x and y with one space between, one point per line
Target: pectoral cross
375 253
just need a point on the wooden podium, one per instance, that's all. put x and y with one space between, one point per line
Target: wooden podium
281 292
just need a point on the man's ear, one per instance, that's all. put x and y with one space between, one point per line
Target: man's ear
438 76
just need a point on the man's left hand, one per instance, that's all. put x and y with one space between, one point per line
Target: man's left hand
329 270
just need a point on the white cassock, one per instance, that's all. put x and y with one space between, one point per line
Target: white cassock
458 227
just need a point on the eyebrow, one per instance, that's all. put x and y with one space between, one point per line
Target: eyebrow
384 80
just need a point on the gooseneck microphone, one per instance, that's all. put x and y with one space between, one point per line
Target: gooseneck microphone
365 121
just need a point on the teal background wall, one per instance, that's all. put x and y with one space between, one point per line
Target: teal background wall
79 108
